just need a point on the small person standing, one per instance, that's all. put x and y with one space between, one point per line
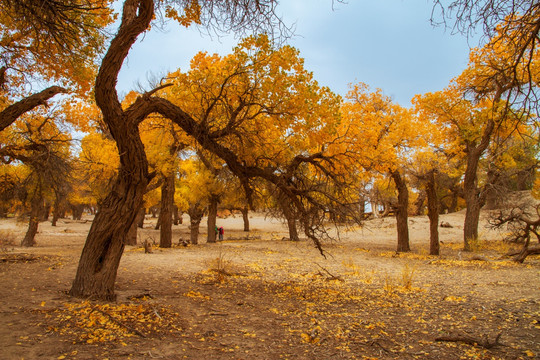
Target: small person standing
221 232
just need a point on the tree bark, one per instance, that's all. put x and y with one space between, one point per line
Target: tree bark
35 214
140 217
245 217
12 112
104 245
195 221
473 199
419 204
291 221
100 258
177 219
167 201
158 222
211 221
131 237
402 217
433 214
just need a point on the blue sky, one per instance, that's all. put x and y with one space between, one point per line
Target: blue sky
388 44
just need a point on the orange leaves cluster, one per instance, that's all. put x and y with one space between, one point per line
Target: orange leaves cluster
260 101
99 323
31 52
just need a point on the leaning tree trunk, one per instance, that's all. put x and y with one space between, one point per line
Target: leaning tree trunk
100 258
245 217
104 246
433 214
166 213
402 212
36 212
211 221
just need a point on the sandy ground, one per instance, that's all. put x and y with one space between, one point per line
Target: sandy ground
255 296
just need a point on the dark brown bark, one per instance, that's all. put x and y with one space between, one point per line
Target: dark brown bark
58 210
131 237
76 211
166 213
177 219
12 112
158 222
245 217
211 221
402 216
419 204
433 214
100 258
195 217
473 199
140 217
291 220
45 211
35 214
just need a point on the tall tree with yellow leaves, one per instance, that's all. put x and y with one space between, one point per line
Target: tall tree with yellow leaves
45 42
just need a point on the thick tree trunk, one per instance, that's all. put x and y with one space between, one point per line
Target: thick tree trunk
131 237
212 215
140 217
473 199
77 211
35 213
433 214
104 245
195 222
98 266
245 217
167 200
177 219
402 217
158 222
45 211
419 204
57 211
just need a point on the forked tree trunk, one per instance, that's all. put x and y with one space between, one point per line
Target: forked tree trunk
245 217
433 214
402 217
167 200
212 215
36 211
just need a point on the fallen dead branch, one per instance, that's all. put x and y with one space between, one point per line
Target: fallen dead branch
485 343
120 323
331 276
